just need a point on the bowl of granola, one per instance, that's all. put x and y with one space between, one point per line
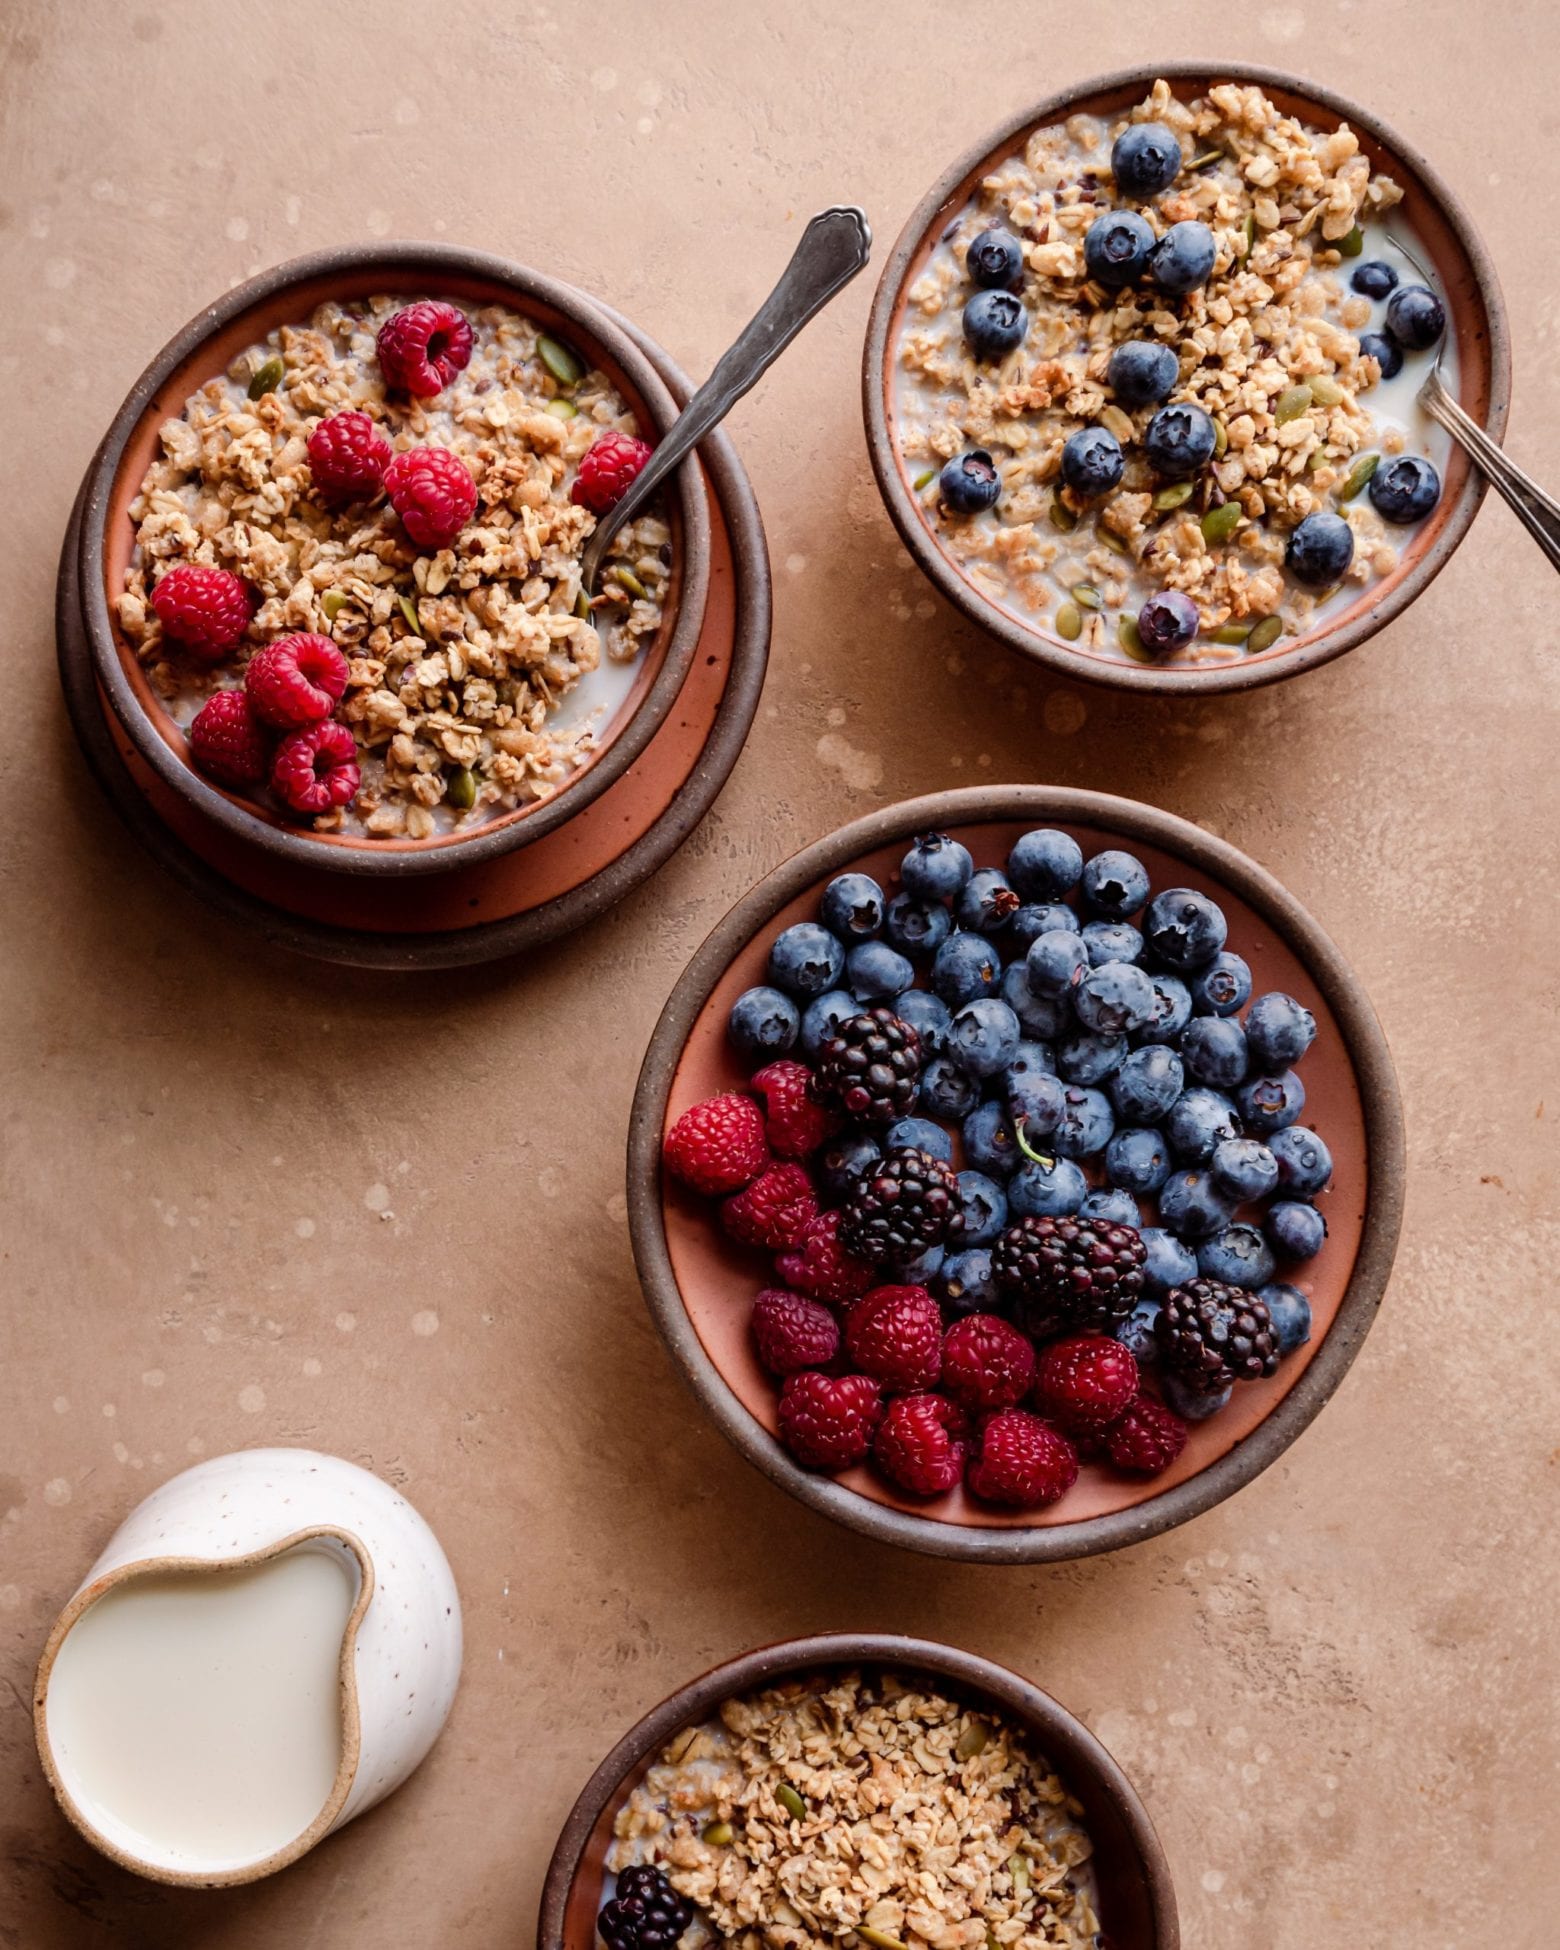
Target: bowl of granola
882 1792
330 555
1141 378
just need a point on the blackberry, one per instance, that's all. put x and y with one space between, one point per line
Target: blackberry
901 1208
646 1913
1070 1273
870 1067
1211 1334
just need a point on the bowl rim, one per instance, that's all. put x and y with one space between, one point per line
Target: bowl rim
395 859
1068 1744
1381 1106
1172 680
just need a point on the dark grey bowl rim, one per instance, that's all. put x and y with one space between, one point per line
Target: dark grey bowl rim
1364 1041
1066 1741
487 842
1272 667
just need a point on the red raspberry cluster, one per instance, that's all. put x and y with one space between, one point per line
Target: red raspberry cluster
278 728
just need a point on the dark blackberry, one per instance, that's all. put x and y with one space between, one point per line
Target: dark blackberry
1211 1334
1070 1273
903 1207
646 1913
870 1068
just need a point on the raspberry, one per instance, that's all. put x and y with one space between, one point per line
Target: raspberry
348 456
1022 1462
987 1363
432 491
1086 1382
820 1265
797 1125
204 610
607 471
775 1209
1147 1439
920 1444
423 347
894 1334
316 768
226 740
296 680
827 1421
793 1332
718 1146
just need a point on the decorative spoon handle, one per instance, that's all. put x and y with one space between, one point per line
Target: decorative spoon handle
1537 511
833 248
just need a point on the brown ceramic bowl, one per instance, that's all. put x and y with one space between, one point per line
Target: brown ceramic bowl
1137 1900
699 1284
204 349
1453 247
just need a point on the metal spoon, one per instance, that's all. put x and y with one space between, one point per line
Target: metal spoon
1538 512
833 248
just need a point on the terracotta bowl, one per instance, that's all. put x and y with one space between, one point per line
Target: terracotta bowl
1137 1900
699 1285
204 349
1448 239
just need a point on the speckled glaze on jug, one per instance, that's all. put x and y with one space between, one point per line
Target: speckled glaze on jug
400 1650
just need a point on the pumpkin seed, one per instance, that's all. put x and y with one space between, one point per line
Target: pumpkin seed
562 361
925 479
1232 633
562 409
409 611
582 607
1115 421
879 1939
1062 516
1266 634
1172 496
1127 636
461 788
1325 391
1353 244
1250 234
973 1740
626 579
1220 523
1221 440
265 379
719 1834
1069 622
1359 474
333 602
1292 404
1112 541
791 1801
1207 159
1317 459
1086 596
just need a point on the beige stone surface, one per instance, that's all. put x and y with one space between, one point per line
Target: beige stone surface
251 1200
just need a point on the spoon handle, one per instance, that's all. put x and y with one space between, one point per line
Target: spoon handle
833 248
1537 511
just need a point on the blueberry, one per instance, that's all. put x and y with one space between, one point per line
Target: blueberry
1193 1206
1179 440
1045 864
983 1210
947 1091
852 907
1145 159
1222 987
1244 1167
1038 1016
1114 999
1296 1230
1416 318
1172 1010
1167 1263
926 1014
1183 258
1321 549
983 1036
1213 1048
970 483
919 1270
1037 1191
1279 1031
995 260
1088 1123
1197 1122
1031 1059
1167 622
965 1284
1387 353
1404 489
1185 929
1091 462
1374 279
1290 1313
1137 1161
1148 1082
1304 1162
1192 1404
1036 1102
921 1134
1114 1207
1036 918
986 902
989 1143
1143 372
842 1161
994 323
1136 1333
916 928
1239 1254
1088 1057
1115 884
1056 963
806 960
1116 248
763 1023
935 868
875 971
1270 1103
964 967
824 1015
1112 941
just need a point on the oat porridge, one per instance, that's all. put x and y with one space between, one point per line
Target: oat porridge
865 1809
1155 387
356 579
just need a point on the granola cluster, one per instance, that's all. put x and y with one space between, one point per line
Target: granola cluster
458 659
1268 347
869 1805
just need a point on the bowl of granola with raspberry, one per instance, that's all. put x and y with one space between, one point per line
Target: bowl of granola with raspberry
331 560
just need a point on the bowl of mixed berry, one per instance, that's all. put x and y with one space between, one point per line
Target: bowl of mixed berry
1016 1172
